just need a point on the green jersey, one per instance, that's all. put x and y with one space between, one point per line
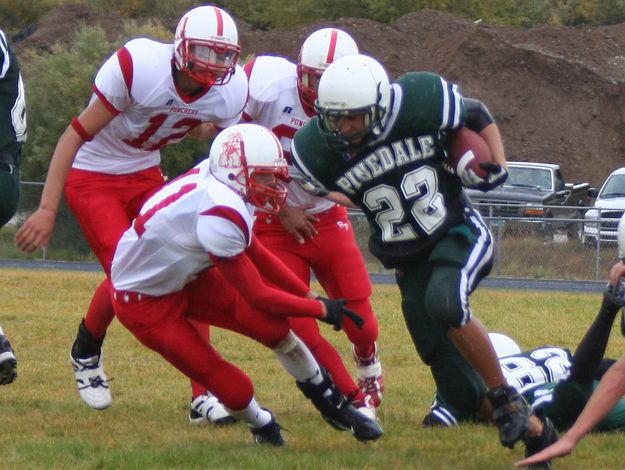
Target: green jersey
399 179
12 102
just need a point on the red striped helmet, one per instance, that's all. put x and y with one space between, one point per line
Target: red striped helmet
248 158
319 50
206 45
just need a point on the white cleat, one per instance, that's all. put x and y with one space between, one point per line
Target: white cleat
91 381
207 409
366 408
370 378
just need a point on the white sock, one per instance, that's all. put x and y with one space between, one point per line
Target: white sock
1 331
297 359
252 414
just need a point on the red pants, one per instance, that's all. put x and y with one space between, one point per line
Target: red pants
334 258
337 263
163 325
105 205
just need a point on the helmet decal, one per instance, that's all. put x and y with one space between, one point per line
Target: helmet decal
248 158
232 155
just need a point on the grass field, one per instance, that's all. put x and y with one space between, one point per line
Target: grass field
44 424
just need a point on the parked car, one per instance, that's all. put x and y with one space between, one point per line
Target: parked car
601 221
538 193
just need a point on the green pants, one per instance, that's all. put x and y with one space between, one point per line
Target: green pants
435 297
9 192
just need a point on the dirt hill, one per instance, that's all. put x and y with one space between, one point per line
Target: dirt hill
558 94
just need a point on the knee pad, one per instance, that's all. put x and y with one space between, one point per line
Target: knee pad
287 344
458 384
443 300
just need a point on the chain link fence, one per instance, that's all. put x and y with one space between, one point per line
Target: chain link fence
565 248
525 247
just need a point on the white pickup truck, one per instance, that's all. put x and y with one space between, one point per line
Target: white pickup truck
601 221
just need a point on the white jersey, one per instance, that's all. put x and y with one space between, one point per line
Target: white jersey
536 367
178 227
273 102
136 84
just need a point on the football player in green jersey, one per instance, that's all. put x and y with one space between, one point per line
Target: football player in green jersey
382 147
12 130
12 136
554 381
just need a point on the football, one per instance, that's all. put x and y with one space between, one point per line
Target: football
467 149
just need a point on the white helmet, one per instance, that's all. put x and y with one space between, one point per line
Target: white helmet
319 50
206 45
504 345
353 85
621 238
240 154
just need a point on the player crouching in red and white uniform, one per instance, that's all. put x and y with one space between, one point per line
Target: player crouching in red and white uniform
146 96
190 256
312 233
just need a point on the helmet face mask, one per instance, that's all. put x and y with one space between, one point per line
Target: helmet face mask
206 46
248 158
267 194
352 86
318 51
307 83
330 120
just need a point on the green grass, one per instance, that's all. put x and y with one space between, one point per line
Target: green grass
43 423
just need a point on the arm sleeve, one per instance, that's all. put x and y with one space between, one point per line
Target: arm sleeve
242 273
275 270
478 115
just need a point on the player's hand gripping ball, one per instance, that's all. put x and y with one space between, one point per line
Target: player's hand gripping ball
470 158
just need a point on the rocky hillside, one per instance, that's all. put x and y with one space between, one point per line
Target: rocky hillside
557 93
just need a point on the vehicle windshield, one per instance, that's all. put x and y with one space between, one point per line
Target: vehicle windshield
614 186
528 178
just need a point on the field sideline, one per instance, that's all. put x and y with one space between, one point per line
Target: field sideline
44 424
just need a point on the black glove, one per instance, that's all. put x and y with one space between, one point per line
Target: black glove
615 294
496 176
336 311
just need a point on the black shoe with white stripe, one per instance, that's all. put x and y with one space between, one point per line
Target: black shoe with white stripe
269 434
8 362
337 411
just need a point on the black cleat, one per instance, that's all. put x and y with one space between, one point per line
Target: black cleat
436 418
510 414
269 434
337 411
8 362
533 445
